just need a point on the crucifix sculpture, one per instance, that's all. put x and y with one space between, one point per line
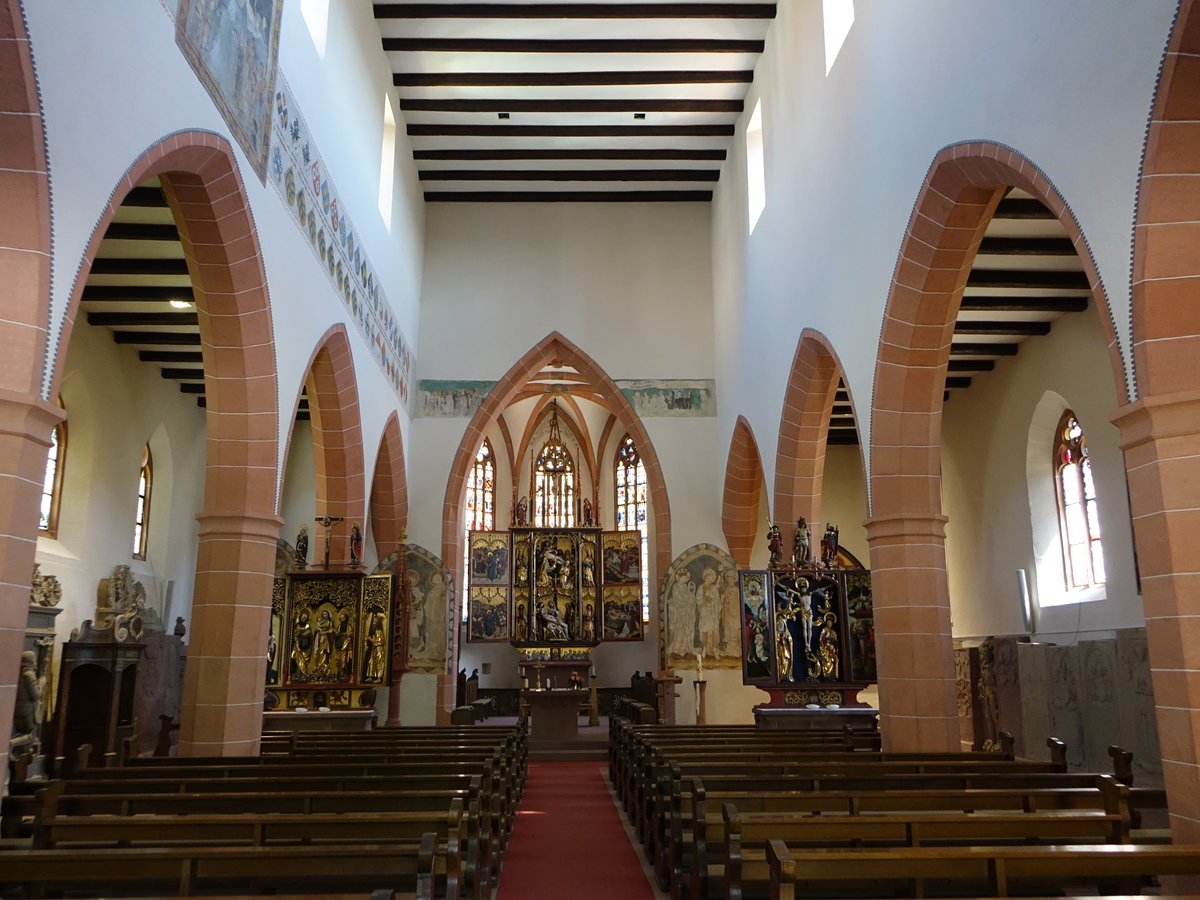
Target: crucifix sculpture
327 522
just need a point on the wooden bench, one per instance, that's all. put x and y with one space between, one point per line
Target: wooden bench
742 868
998 871
696 841
410 871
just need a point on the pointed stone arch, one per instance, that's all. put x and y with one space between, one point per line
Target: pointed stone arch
338 457
803 432
389 490
26 416
1160 430
745 485
239 527
555 346
906 532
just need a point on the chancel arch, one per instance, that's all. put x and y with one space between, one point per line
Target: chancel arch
1159 430
200 182
743 511
962 191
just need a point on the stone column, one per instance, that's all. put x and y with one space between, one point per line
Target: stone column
227 653
1161 439
915 655
25 426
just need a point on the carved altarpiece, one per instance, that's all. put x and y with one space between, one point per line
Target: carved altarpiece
330 642
808 634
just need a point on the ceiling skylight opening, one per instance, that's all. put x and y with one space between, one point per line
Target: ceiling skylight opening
316 17
387 163
756 169
838 16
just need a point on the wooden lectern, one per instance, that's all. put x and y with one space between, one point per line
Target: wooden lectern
667 695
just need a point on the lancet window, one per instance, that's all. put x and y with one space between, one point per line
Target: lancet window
141 524
554 488
52 483
631 506
1078 509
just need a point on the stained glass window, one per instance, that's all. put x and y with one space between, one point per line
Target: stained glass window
1078 509
631 507
141 523
481 491
554 481
52 483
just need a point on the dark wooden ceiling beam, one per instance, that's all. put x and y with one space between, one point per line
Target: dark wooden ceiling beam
568 196
148 197
1025 304
182 374
574 10
171 356
558 79
623 131
971 365
140 231
1021 208
189 387
1024 329
1027 246
957 349
567 153
123 266
958 381
842 410
593 45
127 320
135 292
842 437
1027 278
155 338
557 105
570 175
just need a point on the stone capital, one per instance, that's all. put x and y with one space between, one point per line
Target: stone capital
1162 416
29 416
242 524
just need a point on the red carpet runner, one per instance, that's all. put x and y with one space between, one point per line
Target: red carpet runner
568 842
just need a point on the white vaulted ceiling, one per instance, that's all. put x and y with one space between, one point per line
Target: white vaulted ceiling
571 101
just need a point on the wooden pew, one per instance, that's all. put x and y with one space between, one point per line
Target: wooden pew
997 871
699 841
742 869
409 871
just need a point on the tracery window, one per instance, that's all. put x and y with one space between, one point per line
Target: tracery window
141 523
481 491
1078 509
554 487
52 483
630 478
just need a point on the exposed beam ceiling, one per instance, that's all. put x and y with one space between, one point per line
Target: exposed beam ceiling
636 100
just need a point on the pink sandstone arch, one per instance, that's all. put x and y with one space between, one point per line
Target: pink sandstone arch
803 431
26 417
572 420
1160 430
741 514
222 704
553 346
338 461
906 531
389 490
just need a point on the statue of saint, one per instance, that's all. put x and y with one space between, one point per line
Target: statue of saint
775 545
302 547
356 546
800 543
27 712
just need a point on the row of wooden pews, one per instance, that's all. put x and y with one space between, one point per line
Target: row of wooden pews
421 812
736 812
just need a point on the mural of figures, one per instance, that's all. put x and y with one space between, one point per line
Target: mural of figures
730 641
693 606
